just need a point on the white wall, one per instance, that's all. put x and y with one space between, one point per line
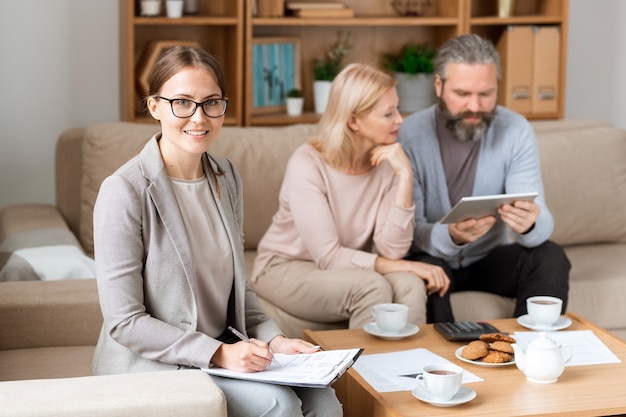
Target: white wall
59 69
596 61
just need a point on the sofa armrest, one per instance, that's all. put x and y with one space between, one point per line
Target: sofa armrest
49 313
157 394
20 218
36 244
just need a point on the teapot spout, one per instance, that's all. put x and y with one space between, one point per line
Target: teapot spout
520 357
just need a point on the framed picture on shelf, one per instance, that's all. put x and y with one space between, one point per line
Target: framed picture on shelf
275 71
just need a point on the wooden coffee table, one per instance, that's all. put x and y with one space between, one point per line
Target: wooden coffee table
594 390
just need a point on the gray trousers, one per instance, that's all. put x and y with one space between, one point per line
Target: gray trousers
258 399
305 291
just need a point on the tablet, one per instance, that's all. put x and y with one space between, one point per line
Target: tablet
484 205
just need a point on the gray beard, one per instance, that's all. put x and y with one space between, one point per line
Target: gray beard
465 132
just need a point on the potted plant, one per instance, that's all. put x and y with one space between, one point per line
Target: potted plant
413 67
326 69
295 102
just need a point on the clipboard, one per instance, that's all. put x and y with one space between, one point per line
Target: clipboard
312 370
480 206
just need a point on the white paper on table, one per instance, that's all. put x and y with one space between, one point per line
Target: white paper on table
587 348
396 371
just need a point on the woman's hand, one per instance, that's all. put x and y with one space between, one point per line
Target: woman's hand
282 344
395 155
434 276
252 356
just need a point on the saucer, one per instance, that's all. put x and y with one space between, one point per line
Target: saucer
408 330
561 323
458 355
464 395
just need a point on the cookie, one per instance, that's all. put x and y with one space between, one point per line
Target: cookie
502 346
475 350
495 356
494 337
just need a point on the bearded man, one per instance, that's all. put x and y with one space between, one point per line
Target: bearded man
467 145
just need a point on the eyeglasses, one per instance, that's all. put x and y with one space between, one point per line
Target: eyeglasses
183 108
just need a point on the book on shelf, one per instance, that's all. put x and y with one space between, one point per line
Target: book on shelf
315 370
345 12
269 8
302 5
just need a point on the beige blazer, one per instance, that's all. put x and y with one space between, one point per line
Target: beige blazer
145 272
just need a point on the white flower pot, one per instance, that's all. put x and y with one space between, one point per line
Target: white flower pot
415 91
321 91
295 105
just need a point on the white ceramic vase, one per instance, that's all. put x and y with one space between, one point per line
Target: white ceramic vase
321 91
150 7
174 8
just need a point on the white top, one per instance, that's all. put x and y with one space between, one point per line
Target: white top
211 252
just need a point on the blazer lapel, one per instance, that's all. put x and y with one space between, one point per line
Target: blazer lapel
162 195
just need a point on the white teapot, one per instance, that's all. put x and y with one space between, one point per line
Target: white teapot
543 362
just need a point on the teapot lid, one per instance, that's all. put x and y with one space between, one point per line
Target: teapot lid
543 342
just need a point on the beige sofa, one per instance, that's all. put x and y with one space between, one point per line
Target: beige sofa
583 170
48 332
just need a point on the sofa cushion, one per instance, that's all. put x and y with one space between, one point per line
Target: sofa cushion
598 284
584 177
259 153
106 147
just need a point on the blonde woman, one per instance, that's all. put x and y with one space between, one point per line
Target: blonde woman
345 219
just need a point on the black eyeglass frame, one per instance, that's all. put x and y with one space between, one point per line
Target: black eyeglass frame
196 104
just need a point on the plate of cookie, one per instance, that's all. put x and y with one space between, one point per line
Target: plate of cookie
493 349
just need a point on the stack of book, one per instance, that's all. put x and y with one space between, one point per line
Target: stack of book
318 9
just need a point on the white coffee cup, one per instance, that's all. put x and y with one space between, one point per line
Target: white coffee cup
150 7
544 310
390 317
441 381
174 8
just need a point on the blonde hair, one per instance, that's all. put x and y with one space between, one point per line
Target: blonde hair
354 92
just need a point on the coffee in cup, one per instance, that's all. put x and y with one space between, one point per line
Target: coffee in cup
391 318
544 310
441 381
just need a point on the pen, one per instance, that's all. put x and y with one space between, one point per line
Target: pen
246 339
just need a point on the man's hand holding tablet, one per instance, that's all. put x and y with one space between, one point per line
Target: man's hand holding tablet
479 206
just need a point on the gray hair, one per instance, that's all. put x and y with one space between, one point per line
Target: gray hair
467 49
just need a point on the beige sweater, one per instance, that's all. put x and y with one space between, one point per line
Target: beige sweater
333 219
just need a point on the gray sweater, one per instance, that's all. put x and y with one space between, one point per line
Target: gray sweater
508 163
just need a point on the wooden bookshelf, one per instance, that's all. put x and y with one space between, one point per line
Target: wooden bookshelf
228 27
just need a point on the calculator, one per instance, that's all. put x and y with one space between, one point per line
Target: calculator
464 330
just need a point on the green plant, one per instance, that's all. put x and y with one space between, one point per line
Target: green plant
294 92
326 69
413 59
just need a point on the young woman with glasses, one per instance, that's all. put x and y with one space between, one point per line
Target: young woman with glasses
169 253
